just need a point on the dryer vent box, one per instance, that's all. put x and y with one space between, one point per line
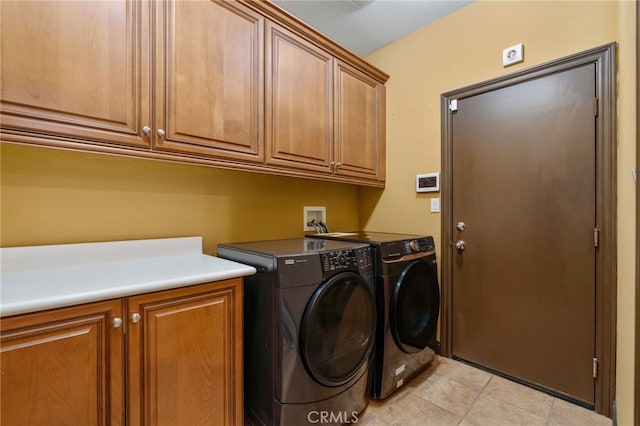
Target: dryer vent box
313 214
429 182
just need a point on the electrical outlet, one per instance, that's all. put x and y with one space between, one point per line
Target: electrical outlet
313 214
512 55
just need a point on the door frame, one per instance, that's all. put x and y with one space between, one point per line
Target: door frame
604 58
637 340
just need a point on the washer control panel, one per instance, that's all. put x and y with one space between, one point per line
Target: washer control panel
346 260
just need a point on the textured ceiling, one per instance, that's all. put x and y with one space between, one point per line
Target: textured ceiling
365 25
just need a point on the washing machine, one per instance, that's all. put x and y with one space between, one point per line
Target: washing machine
309 329
408 304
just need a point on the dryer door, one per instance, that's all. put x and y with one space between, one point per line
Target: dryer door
414 307
337 329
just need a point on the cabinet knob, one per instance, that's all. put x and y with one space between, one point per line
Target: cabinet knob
116 322
135 318
146 130
338 164
161 133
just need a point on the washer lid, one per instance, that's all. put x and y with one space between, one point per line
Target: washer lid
370 237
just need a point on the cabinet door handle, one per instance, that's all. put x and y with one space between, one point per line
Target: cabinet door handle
161 133
146 130
116 322
135 318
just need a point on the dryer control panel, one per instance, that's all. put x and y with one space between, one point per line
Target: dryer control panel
391 249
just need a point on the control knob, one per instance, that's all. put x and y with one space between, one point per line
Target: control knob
414 245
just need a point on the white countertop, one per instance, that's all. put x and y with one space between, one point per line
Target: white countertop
43 277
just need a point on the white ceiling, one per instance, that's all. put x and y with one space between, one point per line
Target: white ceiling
365 25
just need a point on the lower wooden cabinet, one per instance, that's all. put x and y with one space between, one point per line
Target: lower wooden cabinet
63 367
185 356
182 363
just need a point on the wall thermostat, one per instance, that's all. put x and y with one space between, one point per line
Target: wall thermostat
429 182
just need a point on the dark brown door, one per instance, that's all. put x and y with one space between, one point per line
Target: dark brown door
523 185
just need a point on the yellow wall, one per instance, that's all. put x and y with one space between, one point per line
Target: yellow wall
465 48
52 197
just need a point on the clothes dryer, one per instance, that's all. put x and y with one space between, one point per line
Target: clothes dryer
408 304
309 329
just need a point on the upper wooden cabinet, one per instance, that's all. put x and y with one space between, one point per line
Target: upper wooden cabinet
359 124
75 70
209 76
299 129
235 84
206 72
322 114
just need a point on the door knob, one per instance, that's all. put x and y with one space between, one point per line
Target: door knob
460 245
460 226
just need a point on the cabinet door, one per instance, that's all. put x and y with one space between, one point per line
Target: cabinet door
74 70
185 356
63 367
209 79
299 102
360 148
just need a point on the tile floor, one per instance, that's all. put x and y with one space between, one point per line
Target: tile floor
452 393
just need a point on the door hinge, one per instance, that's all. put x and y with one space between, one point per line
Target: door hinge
595 368
596 237
453 105
595 107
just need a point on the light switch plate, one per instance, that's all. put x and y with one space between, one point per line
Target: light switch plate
435 205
